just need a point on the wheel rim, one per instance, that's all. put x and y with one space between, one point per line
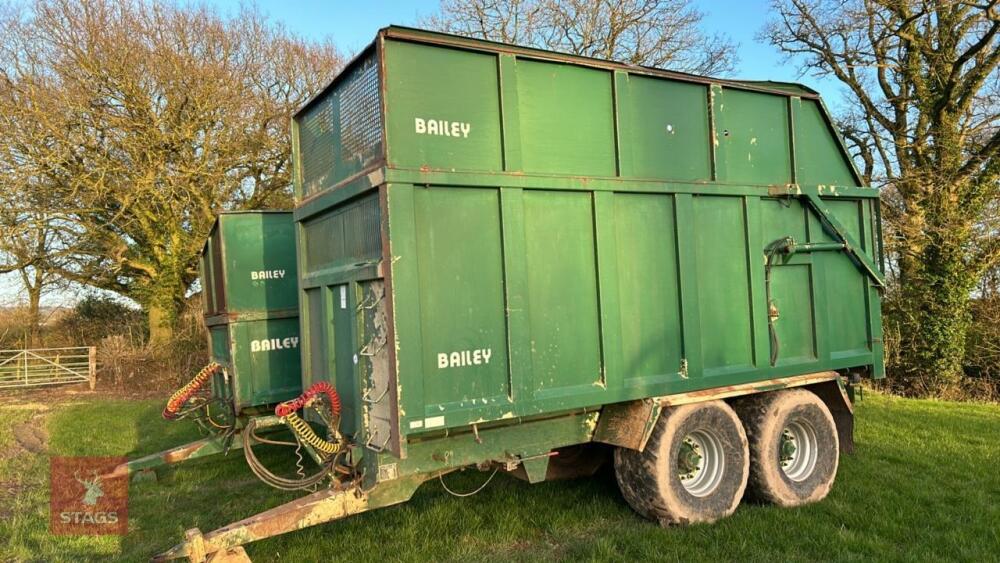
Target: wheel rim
797 450
700 462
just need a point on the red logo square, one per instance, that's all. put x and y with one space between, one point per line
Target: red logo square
85 500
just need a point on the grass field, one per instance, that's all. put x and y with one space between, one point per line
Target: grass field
923 485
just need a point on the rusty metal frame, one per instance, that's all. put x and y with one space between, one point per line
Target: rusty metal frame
317 508
310 510
206 447
629 424
731 391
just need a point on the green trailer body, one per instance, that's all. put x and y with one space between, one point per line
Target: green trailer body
506 255
250 279
490 233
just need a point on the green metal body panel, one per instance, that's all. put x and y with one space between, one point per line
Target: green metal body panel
249 276
543 233
651 129
423 68
562 132
815 161
752 144
251 265
220 348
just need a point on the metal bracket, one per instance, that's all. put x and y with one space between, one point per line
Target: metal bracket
835 228
370 443
628 424
365 350
366 397
364 304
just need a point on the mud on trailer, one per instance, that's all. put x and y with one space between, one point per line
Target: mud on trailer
515 259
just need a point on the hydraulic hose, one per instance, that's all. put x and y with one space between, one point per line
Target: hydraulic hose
284 409
305 433
182 395
780 246
276 481
288 413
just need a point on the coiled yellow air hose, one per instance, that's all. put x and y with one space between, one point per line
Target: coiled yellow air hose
305 433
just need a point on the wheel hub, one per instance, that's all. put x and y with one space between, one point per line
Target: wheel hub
700 462
797 450
788 448
689 459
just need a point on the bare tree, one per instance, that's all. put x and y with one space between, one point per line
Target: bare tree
32 247
32 240
140 122
518 22
660 33
924 119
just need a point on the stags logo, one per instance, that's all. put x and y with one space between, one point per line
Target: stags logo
85 498
92 488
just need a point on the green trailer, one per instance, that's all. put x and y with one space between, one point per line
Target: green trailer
250 299
250 284
530 262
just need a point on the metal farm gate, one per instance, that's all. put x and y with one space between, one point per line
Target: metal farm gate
47 366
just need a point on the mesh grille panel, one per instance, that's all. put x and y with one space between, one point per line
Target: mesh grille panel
316 144
341 133
360 118
351 231
218 281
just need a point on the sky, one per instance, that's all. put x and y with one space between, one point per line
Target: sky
352 24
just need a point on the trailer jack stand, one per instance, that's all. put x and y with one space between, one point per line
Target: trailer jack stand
145 467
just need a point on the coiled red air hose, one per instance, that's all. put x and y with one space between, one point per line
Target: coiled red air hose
288 407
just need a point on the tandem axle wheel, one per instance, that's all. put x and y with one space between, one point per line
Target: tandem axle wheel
779 447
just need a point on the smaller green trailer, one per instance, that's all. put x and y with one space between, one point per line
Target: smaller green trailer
533 263
250 299
250 284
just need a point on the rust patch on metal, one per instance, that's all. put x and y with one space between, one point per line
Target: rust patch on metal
784 190
317 508
184 452
628 424
234 555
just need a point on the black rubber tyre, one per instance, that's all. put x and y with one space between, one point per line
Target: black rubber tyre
771 421
651 480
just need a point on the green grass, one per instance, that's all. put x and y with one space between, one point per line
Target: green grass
923 485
